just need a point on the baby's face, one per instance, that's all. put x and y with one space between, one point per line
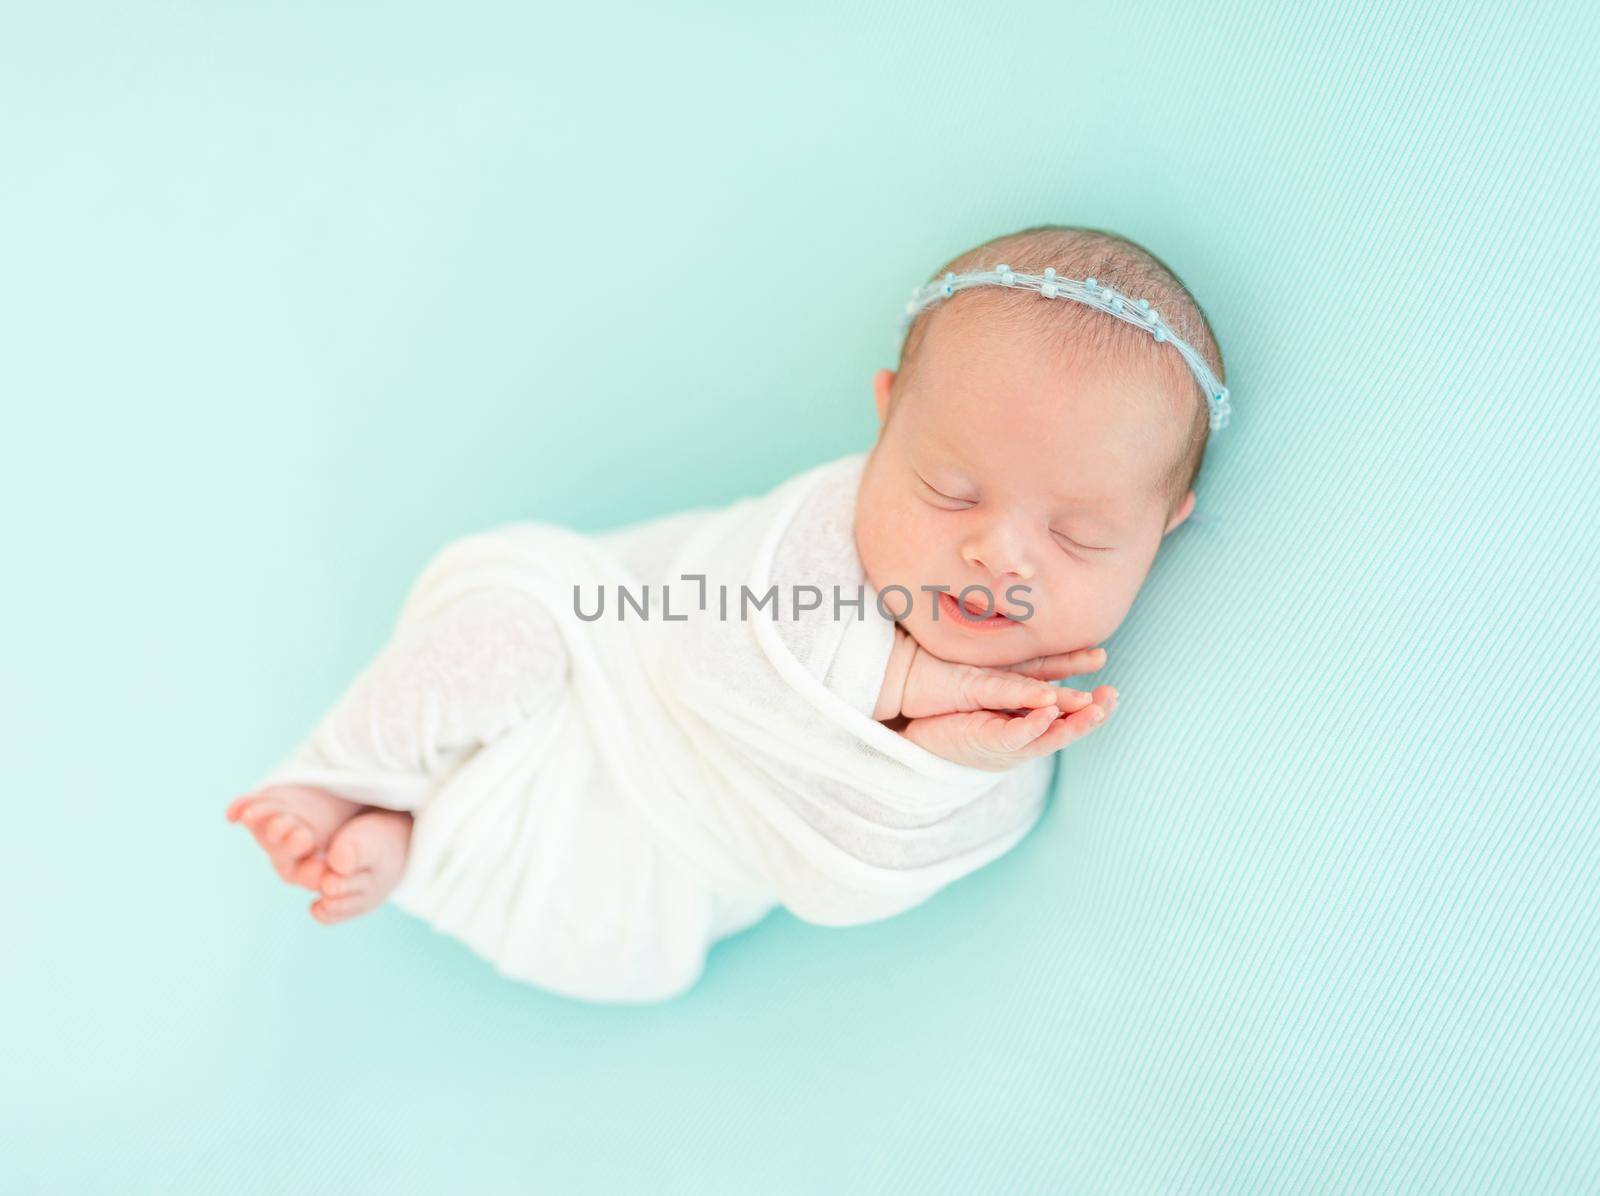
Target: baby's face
1001 467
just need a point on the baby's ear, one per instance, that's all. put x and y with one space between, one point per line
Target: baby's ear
882 385
1181 513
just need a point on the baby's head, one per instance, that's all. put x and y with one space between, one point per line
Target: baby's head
1034 443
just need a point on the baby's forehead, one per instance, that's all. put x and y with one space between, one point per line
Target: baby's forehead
1017 331
1113 425
976 444
1027 389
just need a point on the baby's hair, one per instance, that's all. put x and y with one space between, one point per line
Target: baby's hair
1114 260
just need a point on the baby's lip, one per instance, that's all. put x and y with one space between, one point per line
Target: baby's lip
979 608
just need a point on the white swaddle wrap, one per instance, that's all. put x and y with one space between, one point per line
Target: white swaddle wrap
680 776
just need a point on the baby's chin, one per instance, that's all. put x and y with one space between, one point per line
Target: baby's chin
995 649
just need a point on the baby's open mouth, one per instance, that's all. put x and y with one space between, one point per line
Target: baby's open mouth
976 615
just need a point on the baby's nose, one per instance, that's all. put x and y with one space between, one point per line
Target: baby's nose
1005 565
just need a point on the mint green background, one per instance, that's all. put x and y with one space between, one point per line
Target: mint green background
289 296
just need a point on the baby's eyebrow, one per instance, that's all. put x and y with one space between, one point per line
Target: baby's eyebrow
1096 512
1090 517
1081 502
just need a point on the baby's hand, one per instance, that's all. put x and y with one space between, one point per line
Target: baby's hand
997 742
933 685
963 712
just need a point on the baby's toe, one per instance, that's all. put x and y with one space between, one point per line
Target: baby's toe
288 842
238 806
266 826
279 828
259 823
299 840
329 910
255 813
308 871
336 884
348 852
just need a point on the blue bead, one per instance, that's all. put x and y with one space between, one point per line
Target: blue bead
1050 273
1048 290
1144 305
1116 304
1090 282
1159 335
948 289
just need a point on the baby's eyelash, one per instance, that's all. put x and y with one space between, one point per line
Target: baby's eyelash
941 493
1085 547
973 502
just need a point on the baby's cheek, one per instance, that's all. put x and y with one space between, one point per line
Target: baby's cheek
1067 615
1102 608
870 546
887 547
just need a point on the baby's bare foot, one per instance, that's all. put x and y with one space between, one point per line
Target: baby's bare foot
294 825
364 863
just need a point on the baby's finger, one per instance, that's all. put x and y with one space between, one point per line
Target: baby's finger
997 689
1075 726
1062 664
1008 736
1070 701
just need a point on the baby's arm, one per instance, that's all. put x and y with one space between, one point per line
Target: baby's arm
892 695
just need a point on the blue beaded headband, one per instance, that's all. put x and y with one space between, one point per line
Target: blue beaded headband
1091 292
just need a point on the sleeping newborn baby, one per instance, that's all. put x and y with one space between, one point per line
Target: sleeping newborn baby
590 791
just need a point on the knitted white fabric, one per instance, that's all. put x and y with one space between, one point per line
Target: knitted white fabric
598 802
